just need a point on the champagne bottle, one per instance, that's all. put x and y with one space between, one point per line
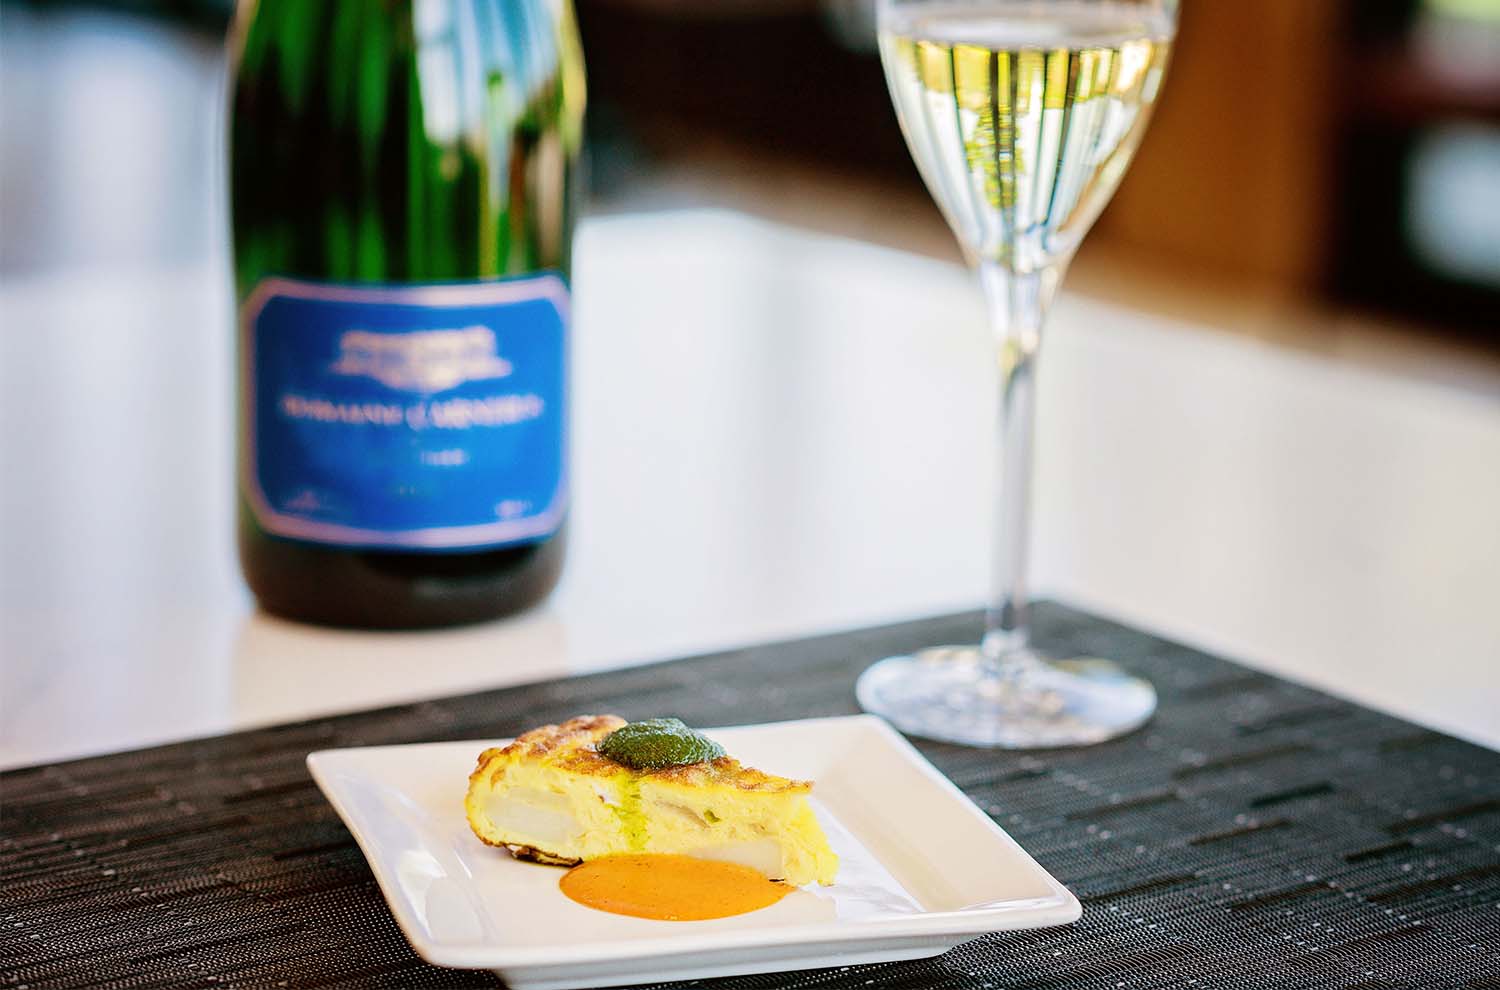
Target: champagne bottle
402 182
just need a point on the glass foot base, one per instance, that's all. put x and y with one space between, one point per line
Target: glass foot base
948 693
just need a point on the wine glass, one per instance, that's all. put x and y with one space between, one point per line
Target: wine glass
1022 116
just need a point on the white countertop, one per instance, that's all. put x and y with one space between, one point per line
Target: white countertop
777 434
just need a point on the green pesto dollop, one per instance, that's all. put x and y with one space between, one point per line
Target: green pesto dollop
658 743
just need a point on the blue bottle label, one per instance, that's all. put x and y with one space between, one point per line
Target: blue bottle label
418 417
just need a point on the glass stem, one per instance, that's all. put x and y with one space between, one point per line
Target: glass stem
1017 306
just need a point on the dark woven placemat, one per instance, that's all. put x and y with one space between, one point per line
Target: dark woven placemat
1256 834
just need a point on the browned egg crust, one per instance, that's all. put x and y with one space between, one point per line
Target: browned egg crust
571 747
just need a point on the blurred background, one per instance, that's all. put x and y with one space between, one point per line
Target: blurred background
1324 157
1272 426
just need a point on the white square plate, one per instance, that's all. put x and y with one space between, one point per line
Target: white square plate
921 868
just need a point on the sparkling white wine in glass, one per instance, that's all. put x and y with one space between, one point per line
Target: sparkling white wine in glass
1022 116
1022 126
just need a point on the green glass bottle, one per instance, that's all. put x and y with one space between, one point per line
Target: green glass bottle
403 188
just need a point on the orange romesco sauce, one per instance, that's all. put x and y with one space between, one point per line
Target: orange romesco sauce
670 888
